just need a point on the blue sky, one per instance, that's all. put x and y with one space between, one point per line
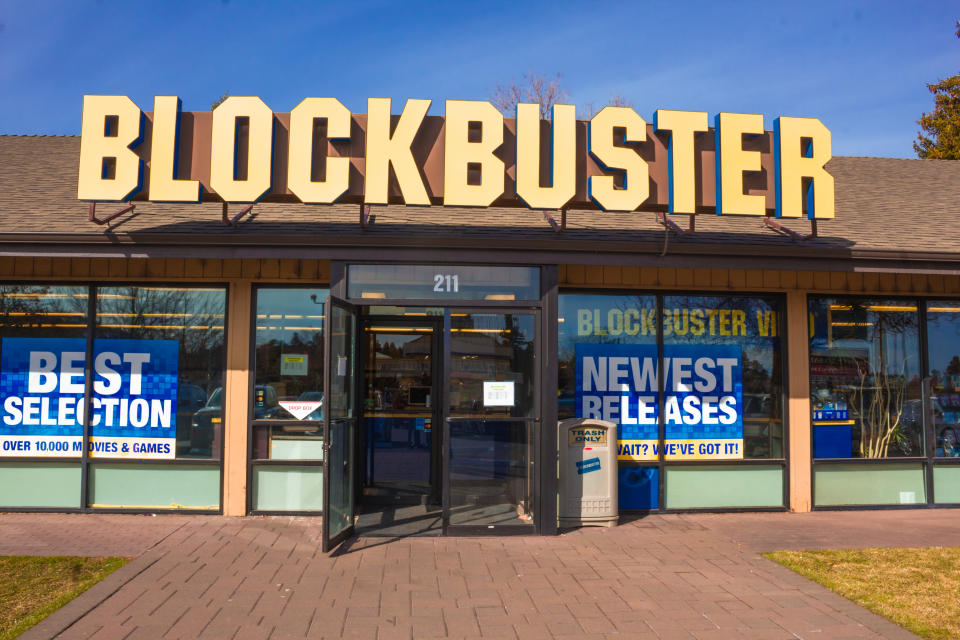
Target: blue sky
861 67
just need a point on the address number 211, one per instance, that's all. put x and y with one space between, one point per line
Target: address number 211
446 283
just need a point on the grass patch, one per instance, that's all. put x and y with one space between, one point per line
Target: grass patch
33 587
918 589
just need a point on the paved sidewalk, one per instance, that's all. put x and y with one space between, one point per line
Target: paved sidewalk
663 576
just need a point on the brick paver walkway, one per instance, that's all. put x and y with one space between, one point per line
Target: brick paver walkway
664 576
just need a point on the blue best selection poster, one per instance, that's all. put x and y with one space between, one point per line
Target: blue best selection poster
134 406
703 406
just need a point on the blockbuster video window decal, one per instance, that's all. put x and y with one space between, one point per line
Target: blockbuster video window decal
474 134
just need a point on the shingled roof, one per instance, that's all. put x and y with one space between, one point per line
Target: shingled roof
886 209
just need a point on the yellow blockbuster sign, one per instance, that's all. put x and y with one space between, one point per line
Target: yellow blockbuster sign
321 153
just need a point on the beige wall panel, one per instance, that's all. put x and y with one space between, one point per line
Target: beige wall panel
290 269
612 275
251 268
754 279
576 274
838 281
212 268
156 269
270 268
136 267
118 267
193 268
887 282
237 403
61 267
648 276
798 408
871 281
684 277
6 266
80 267
23 266
175 267
903 282
701 277
804 280
738 279
855 282
919 283
788 279
667 277
314 270
42 266
952 284
936 283
771 279
99 268
594 274
323 270
630 276
821 280
232 268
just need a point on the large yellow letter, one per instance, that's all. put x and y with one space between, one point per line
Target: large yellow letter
794 163
300 156
682 173
384 150
223 149
164 143
109 169
732 161
563 179
636 186
459 151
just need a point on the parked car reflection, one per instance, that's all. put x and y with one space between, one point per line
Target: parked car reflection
206 425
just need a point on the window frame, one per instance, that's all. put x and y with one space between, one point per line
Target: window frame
84 460
929 460
662 464
254 423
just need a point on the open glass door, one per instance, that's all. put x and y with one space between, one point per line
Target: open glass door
340 422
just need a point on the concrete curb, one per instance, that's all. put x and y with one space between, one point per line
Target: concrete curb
67 615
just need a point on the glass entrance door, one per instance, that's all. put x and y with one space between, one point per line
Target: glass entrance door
401 458
492 423
340 423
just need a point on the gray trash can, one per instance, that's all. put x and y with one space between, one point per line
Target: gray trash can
588 473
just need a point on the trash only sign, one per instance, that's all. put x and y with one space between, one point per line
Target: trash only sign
134 404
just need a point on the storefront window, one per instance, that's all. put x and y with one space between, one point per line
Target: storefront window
724 374
41 370
38 413
943 347
158 363
865 381
159 355
723 387
288 402
288 378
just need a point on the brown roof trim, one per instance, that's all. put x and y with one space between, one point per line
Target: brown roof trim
459 249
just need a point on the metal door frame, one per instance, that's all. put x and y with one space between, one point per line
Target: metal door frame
535 423
435 323
328 543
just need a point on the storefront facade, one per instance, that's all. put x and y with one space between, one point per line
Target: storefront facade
292 357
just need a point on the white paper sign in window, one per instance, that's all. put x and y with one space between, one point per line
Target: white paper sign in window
293 364
498 394
303 409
